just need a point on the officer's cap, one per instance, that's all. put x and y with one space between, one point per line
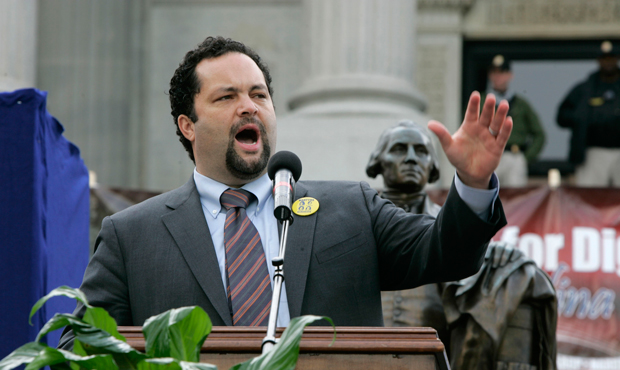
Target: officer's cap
500 63
607 49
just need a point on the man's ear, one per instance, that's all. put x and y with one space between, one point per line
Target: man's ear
186 126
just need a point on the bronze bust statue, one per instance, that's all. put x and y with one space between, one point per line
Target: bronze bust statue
406 159
505 316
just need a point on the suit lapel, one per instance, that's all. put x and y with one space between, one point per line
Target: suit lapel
188 227
297 256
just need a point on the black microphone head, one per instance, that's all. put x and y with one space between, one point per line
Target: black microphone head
284 160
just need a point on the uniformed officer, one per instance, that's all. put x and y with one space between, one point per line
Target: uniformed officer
527 138
592 111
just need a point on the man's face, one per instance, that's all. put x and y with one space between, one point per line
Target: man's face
236 126
500 79
407 161
608 63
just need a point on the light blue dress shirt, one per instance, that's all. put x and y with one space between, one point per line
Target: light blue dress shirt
261 214
480 201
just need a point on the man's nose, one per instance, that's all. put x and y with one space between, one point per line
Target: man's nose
411 155
247 107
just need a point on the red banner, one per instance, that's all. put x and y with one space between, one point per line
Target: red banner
574 235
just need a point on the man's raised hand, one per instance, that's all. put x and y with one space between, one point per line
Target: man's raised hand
477 146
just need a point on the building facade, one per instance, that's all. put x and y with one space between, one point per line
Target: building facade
343 70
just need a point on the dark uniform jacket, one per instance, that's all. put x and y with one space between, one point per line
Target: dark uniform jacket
527 133
592 111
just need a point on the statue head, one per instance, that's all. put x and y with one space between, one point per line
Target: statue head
405 157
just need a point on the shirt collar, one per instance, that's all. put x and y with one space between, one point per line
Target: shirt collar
211 190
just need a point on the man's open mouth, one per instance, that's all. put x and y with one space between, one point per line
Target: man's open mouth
248 137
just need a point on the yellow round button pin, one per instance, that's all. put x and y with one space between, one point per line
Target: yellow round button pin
305 206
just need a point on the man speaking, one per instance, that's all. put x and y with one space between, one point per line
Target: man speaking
210 242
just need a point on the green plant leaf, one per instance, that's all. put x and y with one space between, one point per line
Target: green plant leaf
22 355
91 362
78 349
100 318
197 366
60 291
72 366
93 341
47 356
60 320
38 355
58 359
156 336
95 316
177 333
188 332
96 341
90 340
168 363
164 363
283 356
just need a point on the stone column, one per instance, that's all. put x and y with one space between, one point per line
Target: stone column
439 65
359 63
359 56
18 44
85 62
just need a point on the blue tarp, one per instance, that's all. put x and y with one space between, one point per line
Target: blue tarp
44 216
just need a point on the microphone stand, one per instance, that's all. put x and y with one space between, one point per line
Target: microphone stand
278 278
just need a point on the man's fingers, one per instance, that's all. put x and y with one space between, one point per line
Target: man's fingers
488 111
442 133
500 117
473 108
504 132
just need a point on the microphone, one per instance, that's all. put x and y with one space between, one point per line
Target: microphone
284 170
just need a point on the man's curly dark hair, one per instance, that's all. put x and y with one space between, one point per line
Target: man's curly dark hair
185 84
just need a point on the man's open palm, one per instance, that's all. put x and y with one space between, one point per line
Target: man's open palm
477 146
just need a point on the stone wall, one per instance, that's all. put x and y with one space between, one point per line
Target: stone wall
107 63
512 19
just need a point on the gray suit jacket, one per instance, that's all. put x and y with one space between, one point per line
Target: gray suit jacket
158 255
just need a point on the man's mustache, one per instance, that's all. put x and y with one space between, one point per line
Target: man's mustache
246 120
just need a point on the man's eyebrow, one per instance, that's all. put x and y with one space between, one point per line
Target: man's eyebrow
228 89
236 90
258 87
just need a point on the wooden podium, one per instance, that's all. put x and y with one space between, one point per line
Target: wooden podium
354 348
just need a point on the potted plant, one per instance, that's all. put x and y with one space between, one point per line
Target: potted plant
173 340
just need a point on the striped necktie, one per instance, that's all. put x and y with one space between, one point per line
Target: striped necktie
249 286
